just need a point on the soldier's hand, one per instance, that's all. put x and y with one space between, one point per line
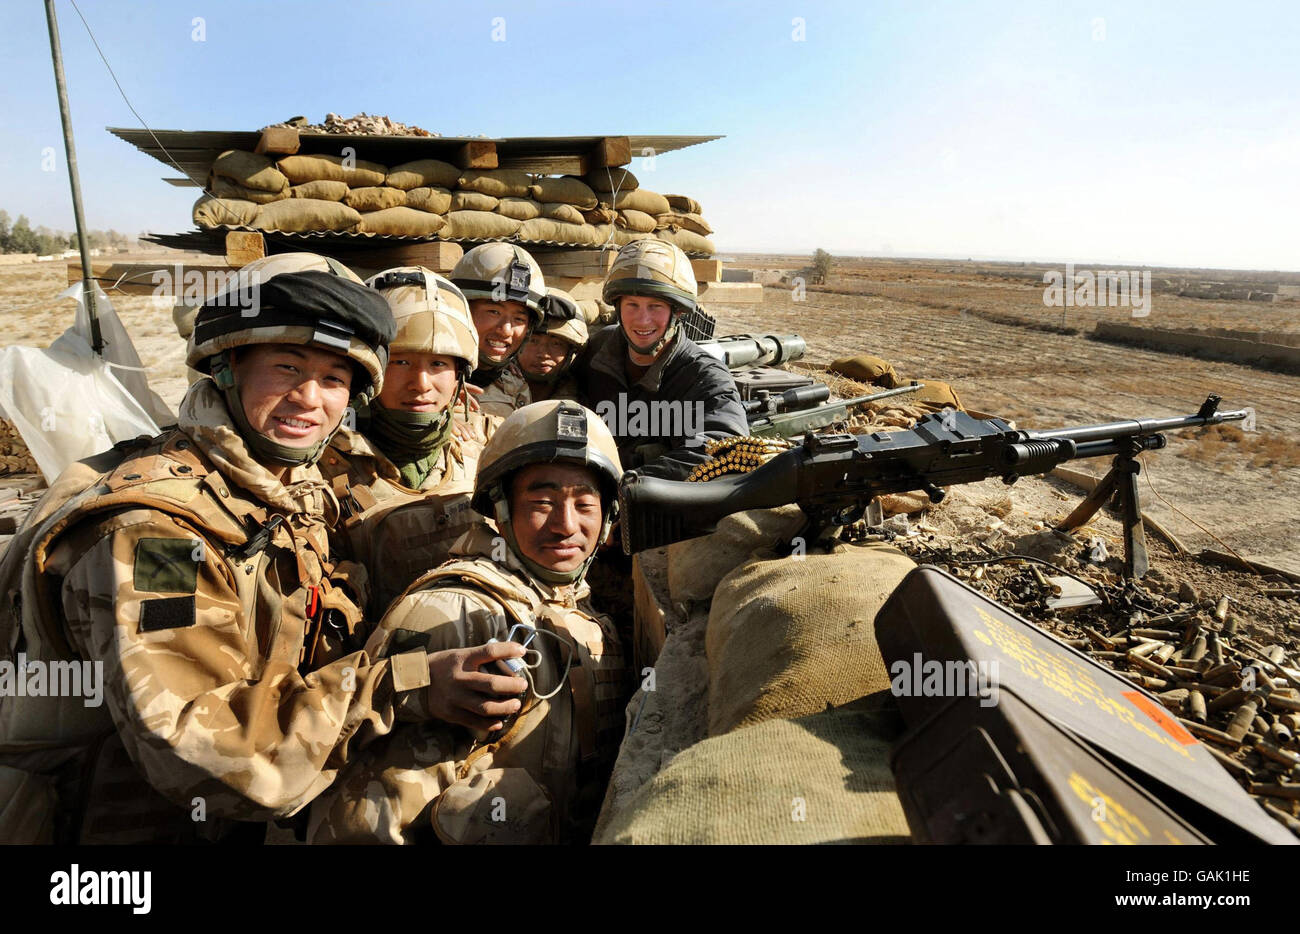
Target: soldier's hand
459 693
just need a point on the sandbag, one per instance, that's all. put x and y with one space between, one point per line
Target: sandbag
303 215
638 221
567 190
602 214
222 187
692 222
224 212
564 212
374 198
688 241
402 222
473 201
823 778
433 200
423 173
624 237
478 225
611 179
499 183
684 204
934 396
592 309
788 637
697 565
250 169
639 199
320 190
867 369
559 232
309 168
521 209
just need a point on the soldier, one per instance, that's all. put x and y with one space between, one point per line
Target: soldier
549 477
404 477
550 351
505 289
192 584
660 394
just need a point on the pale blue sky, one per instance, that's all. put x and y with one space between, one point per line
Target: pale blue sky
1105 132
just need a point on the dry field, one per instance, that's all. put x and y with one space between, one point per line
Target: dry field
1243 489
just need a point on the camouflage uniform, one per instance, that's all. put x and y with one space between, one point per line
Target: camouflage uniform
395 532
432 772
505 394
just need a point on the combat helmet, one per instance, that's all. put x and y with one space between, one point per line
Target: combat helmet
657 269
555 431
563 319
502 272
305 300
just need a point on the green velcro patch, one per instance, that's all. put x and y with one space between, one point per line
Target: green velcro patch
167 565
404 640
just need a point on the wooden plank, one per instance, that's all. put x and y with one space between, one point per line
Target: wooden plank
243 247
650 628
707 270
732 293
611 151
477 154
438 255
576 263
278 140
193 281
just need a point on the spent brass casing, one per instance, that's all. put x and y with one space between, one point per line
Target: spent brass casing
1196 706
1242 720
1228 699
1221 609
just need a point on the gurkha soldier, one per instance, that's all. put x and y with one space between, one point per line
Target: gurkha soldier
404 478
549 478
551 350
505 289
196 576
662 395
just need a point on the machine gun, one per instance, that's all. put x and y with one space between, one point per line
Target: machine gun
745 350
797 411
833 477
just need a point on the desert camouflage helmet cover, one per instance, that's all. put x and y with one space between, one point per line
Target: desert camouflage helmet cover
502 272
432 314
326 305
564 319
653 268
555 431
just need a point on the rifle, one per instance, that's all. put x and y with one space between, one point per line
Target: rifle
833 477
796 411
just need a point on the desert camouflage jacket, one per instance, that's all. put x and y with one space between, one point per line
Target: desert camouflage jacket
547 774
200 583
394 532
507 392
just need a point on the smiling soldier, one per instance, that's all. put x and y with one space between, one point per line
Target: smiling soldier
549 353
549 477
198 572
661 395
505 289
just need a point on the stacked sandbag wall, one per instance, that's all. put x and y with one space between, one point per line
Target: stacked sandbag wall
429 198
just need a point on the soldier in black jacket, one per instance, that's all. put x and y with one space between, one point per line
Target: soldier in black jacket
660 394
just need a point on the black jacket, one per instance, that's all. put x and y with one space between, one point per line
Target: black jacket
661 422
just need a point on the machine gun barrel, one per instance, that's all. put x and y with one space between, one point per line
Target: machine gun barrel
833 477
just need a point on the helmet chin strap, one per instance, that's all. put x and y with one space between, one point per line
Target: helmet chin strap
501 509
259 445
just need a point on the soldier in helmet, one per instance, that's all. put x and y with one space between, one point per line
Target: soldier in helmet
505 289
549 478
404 476
628 372
192 583
548 355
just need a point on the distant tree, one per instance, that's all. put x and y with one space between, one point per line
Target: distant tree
821 264
22 239
4 231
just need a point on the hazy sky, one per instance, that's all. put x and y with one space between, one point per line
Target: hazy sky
1093 132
